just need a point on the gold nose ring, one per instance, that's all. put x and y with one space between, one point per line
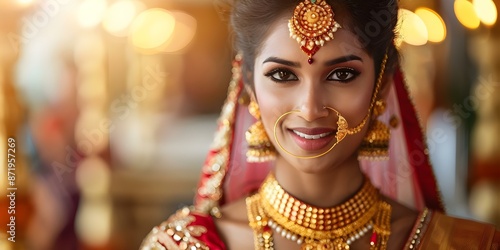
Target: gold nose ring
342 131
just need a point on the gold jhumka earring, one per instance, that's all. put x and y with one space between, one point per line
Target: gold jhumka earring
375 144
260 148
312 25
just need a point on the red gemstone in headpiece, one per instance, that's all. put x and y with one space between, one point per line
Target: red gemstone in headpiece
310 52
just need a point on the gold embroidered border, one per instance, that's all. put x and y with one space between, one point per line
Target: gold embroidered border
210 189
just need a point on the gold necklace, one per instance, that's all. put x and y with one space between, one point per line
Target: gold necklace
272 208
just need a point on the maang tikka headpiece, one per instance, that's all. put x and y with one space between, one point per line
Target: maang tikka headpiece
312 25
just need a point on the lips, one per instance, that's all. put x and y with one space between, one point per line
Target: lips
312 139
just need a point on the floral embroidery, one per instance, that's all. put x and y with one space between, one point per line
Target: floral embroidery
419 229
210 190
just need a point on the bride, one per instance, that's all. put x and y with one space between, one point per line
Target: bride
318 144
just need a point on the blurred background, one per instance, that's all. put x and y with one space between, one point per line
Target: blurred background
112 105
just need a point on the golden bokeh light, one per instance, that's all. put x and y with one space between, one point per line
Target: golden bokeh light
152 29
88 50
93 176
91 131
486 10
466 15
91 12
412 29
25 2
436 27
120 15
183 33
93 222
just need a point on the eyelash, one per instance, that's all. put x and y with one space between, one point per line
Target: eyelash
354 73
271 73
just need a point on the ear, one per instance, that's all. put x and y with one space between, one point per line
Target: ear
250 93
385 85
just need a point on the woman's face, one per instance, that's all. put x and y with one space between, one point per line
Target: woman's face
341 77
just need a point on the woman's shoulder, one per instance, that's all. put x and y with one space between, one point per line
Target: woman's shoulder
186 229
402 220
435 230
233 225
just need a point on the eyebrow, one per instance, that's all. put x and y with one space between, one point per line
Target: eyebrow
281 61
342 59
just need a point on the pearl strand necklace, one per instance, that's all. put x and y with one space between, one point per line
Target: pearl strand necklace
273 210
299 240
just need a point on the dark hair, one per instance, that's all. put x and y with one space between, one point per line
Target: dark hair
373 22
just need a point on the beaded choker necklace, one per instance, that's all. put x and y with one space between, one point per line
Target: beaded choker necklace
272 208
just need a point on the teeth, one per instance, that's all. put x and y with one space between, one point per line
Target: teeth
311 137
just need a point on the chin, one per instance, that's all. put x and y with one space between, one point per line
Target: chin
314 166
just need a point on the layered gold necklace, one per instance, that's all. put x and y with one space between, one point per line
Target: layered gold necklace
272 209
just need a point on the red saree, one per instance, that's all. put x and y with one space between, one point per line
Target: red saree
406 177
187 229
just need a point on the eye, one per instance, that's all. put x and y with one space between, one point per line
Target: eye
281 75
343 75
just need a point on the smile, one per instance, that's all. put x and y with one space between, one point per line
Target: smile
311 137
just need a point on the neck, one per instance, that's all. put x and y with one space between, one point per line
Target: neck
323 189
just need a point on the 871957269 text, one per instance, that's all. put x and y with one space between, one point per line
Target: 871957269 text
11 189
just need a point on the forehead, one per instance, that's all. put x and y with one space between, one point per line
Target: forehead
279 43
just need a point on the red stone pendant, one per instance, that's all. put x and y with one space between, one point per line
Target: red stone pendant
373 239
310 52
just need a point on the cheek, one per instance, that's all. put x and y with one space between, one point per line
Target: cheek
270 106
271 103
353 103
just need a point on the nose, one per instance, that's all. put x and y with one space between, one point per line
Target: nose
312 103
